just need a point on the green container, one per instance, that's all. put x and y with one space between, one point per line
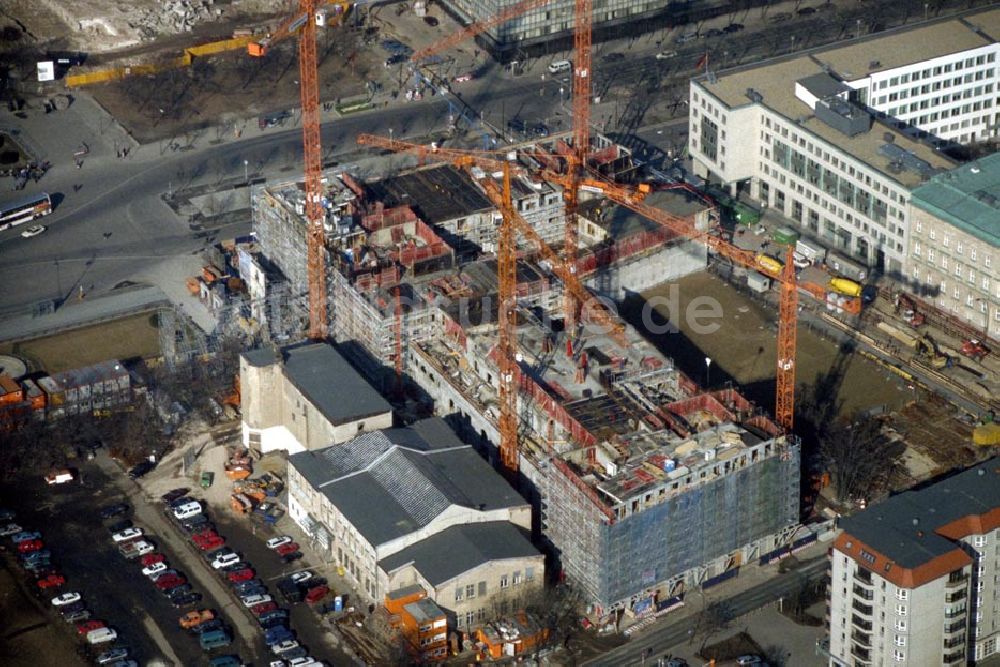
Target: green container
206 479
786 236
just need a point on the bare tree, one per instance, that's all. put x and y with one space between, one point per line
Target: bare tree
714 618
858 456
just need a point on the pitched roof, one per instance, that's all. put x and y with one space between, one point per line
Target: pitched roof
917 529
389 483
331 384
446 555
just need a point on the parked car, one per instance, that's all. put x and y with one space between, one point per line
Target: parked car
225 661
112 511
140 469
79 605
182 500
251 600
152 559
34 230
431 21
712 32
102 636
65 598
263 608
37 565
10 529
214 639
171 581
29 546
232 567
246 574
292 557
119 526
212 555
51 581
276 542
76 616
185 600
177 591
278 635
289 548
466 76
273 623
663 55
25 535
317 593
7 514
154 569
208 626
174 494
225 559
280 614
127 534
33 556
301 577
307 661
284 646
112 654
211 544
84 627
246 585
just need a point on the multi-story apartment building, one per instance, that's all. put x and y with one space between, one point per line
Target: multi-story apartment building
914 579
955 242
812 136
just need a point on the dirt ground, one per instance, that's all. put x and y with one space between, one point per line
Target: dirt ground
743 350
135 336
29 638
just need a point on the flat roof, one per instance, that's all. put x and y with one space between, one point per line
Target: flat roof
776 84
968 197
330 383
907 528
392 482
436 194
901 47
446 555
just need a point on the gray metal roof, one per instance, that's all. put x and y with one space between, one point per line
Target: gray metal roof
902 527
331 384
823 85
446 555
389 483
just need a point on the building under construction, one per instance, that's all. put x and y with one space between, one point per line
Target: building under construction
644 484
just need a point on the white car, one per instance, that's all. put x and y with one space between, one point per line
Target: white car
276 542
127 534
251 600
34 230
300 577
65 598
224 560
285 646
10 529
307 661
154 569
663 55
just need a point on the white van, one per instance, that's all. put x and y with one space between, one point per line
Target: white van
187 510
560 66
101 636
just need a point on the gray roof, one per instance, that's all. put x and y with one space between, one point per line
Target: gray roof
331 384
446 555
902 527
392 482
261 357
823 85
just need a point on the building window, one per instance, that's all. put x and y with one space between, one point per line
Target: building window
529 574
900 625
459 594
517 577
901 593
470 618
979 541
470 591
503 581
900 640
901 610
482 589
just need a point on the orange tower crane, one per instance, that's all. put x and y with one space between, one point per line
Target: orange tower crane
305 21
632 199
507 316
581 90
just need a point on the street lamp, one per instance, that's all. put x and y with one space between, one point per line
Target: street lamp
246 172
390 134
708 371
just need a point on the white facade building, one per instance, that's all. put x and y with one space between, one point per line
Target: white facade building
914 579
797 133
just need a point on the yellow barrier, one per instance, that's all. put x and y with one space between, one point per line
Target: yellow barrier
118 73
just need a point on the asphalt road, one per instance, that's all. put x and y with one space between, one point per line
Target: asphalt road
111 224
658 641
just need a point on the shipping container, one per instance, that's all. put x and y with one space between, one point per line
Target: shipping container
785 236
846 267
757 282
812 251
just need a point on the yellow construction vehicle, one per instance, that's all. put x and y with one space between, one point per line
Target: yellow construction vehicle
927 348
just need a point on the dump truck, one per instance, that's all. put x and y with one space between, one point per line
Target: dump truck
845 287
974 349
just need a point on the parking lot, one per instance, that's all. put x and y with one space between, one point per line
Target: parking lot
114 590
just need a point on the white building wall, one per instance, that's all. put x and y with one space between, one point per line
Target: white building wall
951 97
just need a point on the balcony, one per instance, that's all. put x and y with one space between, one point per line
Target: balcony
956 596
863 577
956 580
863 639
865 609
956 641
958 626
954 613
953 658
863 593
863 655
860 623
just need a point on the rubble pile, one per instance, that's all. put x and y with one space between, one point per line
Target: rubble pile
173 16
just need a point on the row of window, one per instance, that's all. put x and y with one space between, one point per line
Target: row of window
927 89
470 591
932 234
905 110
930 72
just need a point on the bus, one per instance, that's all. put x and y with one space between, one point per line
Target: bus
26 209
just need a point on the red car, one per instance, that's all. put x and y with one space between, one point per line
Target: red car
212 545
209 534
51 581
246 574
152 559
317 593
170 581
86 626
286 549
28 546
263 608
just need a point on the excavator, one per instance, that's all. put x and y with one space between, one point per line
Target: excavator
928 349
